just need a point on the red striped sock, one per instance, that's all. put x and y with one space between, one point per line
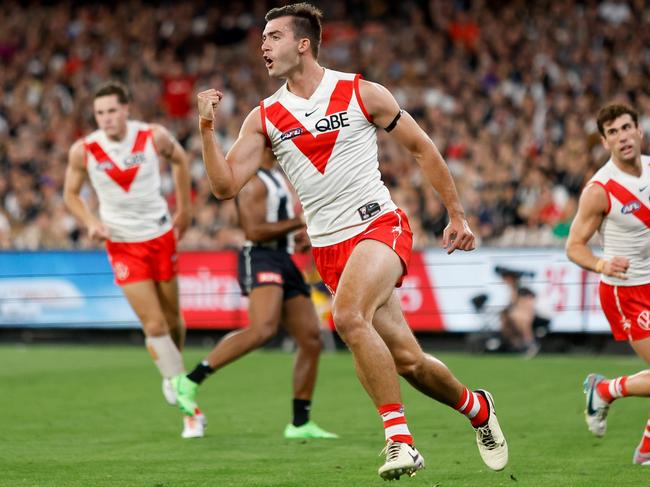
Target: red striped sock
612 389
645 439
395 426
474 406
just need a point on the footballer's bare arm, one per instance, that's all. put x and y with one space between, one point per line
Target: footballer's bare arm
171 150
251 201
75 176
228 173
592 208
386 113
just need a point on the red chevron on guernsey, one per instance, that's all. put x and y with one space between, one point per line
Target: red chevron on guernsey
622 194
123 177
318 149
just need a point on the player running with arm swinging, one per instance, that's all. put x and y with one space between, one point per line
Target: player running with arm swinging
121 159
321 125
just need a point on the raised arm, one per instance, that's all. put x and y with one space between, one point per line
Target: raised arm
592 208
251 203
75 176
171 151
383 107
229 173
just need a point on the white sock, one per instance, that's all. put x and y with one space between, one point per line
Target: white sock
165 355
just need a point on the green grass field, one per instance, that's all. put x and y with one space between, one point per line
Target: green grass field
94 416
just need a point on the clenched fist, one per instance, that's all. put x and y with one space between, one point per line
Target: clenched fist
208 101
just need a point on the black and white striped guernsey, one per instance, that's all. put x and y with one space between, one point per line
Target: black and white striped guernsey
279 207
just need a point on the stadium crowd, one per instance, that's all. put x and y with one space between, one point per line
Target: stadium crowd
507 90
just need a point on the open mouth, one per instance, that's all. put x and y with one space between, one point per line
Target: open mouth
268 61
626 149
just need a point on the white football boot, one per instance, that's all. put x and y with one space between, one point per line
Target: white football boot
597 408
401 458
194 426
169 392
491 443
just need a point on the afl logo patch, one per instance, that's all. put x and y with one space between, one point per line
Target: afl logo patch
121 270
104 166
631 207
290 134
643 320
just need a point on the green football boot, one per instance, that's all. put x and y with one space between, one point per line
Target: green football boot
307 430
185 394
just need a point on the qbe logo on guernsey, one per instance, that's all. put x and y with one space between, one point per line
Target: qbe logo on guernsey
334 121
643 320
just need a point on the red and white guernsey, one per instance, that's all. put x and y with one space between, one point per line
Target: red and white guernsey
327 146
126 178
625 230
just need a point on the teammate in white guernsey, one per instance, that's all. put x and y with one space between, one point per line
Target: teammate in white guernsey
625 227
616 203
321 125
126 177
277 295
122 159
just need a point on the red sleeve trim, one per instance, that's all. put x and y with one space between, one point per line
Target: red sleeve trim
153 141
141 140
609 200
359 100
263 115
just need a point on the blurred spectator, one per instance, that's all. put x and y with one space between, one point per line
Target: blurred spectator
517 327
506 90
517 334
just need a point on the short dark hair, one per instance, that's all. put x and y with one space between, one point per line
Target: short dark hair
114 88
611 112
306 22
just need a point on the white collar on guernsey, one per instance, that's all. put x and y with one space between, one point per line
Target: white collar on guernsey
319 88
632 177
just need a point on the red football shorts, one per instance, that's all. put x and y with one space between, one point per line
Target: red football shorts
138 261
627 309
393 229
